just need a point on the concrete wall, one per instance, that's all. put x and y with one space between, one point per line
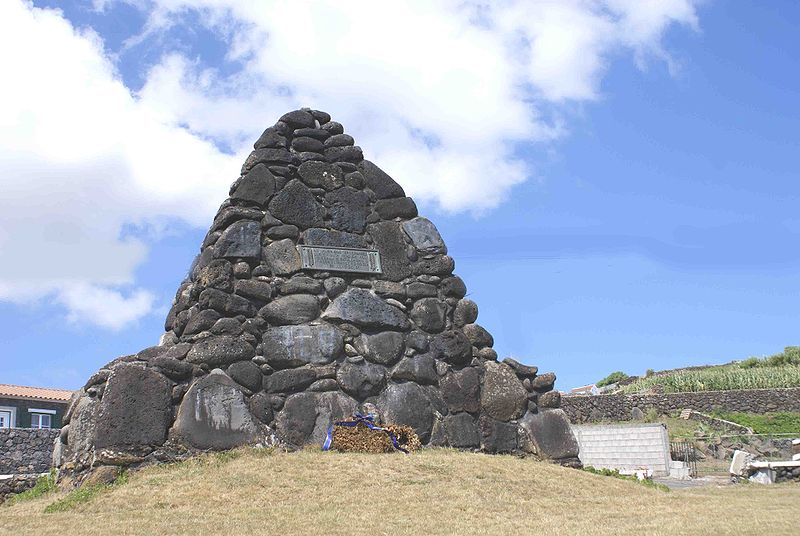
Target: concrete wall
625 447
24 450
582 409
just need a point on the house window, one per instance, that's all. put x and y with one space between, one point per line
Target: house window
42 418
7 417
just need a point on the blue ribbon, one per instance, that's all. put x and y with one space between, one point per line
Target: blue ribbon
369 422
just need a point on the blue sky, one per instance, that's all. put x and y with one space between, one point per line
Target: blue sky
617 181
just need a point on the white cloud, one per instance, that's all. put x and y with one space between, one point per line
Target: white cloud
104 307
438 93
79 158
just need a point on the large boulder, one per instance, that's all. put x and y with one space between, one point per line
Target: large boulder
135 411
293 346
215 415
550 434
408 403
503 397
363 308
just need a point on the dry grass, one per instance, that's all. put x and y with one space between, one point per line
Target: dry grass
430 492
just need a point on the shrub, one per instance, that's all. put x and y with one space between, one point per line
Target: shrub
614 377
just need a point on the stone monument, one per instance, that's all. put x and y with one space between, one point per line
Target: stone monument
318 290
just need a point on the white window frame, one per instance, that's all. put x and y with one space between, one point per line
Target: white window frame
13 412
47 411
40 415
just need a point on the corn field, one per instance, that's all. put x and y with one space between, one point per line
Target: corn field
723 378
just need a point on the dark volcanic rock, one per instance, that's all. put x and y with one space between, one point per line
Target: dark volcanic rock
306 416
454 287
283 231
419 369
544 382
242 239
348 209
429 314
384 348
293 309
361 379
407 403
478 336
246 373
201 321
218 274
301 285
461 390
379 182
303 144
270 139
462 431
497 436
289 380
254 289
317 174
550 434
219 350
331 237
525 371
228 304
399 207
295 204
503 396
390 241
363 308
292 346
298 119
424 236
135 411
440 265
453 347
215 415
256 187
282 257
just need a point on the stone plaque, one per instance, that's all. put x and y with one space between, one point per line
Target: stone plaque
340 259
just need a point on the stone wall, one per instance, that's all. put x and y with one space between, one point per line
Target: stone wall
14 484
26 450
618 407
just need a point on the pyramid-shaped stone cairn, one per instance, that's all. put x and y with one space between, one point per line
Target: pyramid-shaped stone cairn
318 292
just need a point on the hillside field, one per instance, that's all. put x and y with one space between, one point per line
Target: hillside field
436 491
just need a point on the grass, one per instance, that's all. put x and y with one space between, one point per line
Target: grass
44 485
436 491
631 478
768 423
722 378
83 495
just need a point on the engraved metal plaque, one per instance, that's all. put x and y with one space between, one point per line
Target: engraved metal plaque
340 259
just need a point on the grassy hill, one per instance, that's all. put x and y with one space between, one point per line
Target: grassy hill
778 370
435 491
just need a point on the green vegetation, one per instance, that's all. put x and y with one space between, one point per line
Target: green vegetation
632 478
44 485
790 356
768 423
614 377
722 378
83 495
